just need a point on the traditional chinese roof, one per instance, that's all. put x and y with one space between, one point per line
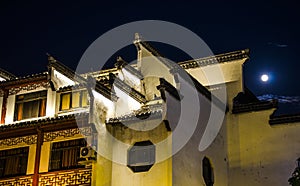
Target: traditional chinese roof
71 74
246 102
199 87
127 89
284 119
6 75
256 106
220 58
139 41
71 87
150 111
45 124
123 64
25 79
165 85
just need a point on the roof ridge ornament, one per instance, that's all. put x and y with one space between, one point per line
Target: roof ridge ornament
51 59
120 63
137 38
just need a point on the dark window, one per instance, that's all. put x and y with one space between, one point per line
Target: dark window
74 99
207 172
141 156
13 162
30 105
65 155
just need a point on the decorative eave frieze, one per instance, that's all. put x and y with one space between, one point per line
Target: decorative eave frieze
50 136
46 124
221 58
28 140
21 81
28 87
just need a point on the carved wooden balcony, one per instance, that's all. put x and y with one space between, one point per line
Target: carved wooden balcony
73 177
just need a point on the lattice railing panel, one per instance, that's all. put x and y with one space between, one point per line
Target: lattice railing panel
64 178
17 181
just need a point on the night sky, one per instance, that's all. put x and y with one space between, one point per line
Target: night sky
30 29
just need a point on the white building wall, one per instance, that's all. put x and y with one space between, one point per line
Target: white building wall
60 80
51 100
125 104
1 103
10 108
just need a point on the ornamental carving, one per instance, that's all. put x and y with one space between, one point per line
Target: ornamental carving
50 136
29 140
70 177
28 87
21 181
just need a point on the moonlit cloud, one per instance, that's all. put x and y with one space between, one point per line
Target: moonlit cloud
281 99
278 45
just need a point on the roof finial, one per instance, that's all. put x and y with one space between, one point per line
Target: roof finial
137 38
51 58
120 62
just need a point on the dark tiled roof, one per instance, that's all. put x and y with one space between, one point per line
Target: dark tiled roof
43 122
127 89
123 64
163 84
153 51
245 97
6 75
256 106
64 70
199 87
221 58
71 87
151 112
105 90
25 79
284 119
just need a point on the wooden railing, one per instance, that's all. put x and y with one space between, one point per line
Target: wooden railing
19 180
74 177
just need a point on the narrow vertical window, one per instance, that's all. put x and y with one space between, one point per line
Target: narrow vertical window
84 99
65 101
207 172
76 99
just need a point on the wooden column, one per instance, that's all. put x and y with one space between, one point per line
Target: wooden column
39 143
4 106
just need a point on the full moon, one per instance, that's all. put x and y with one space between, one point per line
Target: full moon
264 77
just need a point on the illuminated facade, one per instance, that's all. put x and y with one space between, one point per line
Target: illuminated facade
53 123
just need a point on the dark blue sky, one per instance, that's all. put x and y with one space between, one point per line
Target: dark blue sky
65 29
